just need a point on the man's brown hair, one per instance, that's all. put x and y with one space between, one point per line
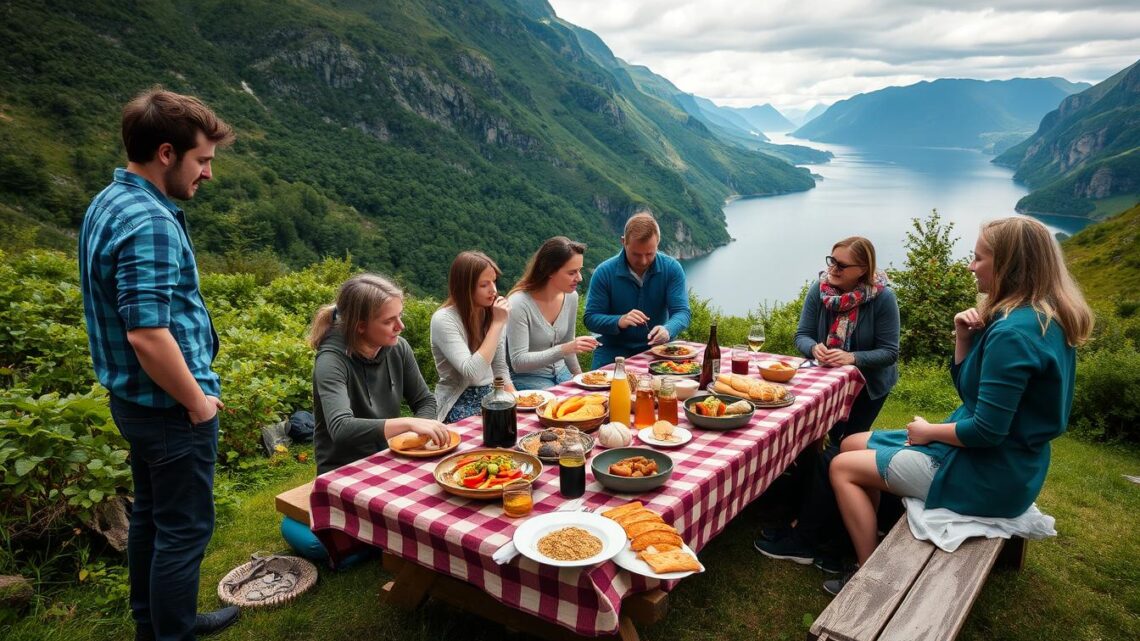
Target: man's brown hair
158 116
640 228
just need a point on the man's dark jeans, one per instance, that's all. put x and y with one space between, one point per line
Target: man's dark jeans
172 520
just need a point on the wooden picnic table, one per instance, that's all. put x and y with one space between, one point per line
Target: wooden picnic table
441 545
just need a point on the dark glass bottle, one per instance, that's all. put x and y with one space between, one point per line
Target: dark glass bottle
572 466
711 366
500 419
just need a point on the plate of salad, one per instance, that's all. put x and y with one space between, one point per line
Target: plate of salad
482 473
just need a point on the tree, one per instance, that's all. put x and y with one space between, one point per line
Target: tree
931 288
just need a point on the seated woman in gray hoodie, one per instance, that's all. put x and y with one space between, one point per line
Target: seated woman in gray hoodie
362 373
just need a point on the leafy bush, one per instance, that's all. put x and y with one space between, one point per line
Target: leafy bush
1106 404
926 385
932 287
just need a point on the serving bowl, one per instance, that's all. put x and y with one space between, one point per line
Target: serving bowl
718 422
583 424
601 463
532 443
780 375
685 387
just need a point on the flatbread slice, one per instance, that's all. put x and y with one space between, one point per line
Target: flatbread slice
654 538
673 561
657 549
634 530
639 515
622 510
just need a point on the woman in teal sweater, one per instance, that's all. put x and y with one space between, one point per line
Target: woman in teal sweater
1014 369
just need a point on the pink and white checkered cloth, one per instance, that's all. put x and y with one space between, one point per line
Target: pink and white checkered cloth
394 503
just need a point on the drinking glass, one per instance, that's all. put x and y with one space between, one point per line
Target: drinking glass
756 337
517 500
740 359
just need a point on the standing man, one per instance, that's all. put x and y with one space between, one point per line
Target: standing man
152 343
637 298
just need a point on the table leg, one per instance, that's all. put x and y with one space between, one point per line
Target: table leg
411 585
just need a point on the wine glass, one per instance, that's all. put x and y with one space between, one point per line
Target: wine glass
756 337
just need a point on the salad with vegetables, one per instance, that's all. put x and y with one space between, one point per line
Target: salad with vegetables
485 471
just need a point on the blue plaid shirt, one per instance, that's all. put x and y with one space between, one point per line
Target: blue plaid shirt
137 269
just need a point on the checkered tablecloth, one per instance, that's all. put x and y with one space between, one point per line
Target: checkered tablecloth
394 503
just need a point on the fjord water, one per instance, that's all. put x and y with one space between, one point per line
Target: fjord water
780 241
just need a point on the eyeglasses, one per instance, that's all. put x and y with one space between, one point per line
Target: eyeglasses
836 265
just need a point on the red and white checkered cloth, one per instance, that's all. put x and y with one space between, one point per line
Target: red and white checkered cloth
394 503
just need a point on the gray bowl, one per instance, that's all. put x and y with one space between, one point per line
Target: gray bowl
600 465
718 422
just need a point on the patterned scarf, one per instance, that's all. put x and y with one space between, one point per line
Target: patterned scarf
846 308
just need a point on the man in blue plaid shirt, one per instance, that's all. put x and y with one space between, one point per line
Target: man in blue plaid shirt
152 343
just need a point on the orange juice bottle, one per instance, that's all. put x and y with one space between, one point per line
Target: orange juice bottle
620 394
643 414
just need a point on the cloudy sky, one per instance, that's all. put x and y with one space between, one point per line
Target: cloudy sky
794 54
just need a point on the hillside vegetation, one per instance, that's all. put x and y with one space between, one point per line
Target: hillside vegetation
398 132
1084 158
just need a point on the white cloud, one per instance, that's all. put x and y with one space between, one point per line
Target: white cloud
796 53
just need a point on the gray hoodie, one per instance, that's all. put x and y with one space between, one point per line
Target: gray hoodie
353 396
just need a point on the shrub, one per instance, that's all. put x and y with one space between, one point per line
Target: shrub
931 289
926 385
1106 404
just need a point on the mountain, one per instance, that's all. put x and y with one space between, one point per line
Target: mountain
399 132
1105 257
1084 158
813 113
764 117
944 113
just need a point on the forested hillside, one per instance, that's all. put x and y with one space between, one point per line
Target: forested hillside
1084 158
400 132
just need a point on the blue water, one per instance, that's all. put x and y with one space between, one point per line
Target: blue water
779 242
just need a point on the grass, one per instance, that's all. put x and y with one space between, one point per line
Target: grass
1083 584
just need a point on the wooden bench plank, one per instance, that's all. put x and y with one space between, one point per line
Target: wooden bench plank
940 600
871 597
294 503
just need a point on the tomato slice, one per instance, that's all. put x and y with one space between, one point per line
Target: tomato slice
472 481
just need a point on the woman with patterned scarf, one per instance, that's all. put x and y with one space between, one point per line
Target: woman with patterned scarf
850 317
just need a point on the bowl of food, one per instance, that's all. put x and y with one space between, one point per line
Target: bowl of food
776 371
529 400
547 444
719 411
632 469
585 411
673 351
675 368
482 473
685 387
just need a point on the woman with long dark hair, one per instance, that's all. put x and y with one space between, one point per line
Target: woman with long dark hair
467 337
541 346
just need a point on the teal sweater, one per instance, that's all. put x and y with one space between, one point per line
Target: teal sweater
1016 387
662 296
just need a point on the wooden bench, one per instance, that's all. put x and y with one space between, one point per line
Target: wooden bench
294 503
909 590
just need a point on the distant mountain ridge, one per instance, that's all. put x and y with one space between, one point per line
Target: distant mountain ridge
973 114
398 132
1084 158
764 117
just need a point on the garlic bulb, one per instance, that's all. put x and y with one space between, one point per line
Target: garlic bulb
614 434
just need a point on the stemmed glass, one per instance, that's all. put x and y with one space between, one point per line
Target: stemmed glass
756 337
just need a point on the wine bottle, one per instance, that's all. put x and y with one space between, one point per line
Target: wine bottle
711 366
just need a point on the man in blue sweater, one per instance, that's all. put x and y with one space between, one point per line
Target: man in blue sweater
637 298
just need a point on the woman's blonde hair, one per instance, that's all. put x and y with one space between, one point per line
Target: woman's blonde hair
1029 269
864 253
462 279
545 262
358 300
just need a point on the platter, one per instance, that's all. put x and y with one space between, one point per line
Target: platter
611 534
685 368
423 452
533 441
674 351
646 436
527 397
627 559
580 380
444 472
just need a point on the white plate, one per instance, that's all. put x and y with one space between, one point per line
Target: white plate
627 559
580 383
646 436
658 351
546 396
611 534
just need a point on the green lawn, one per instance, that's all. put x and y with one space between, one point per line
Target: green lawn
1081 585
